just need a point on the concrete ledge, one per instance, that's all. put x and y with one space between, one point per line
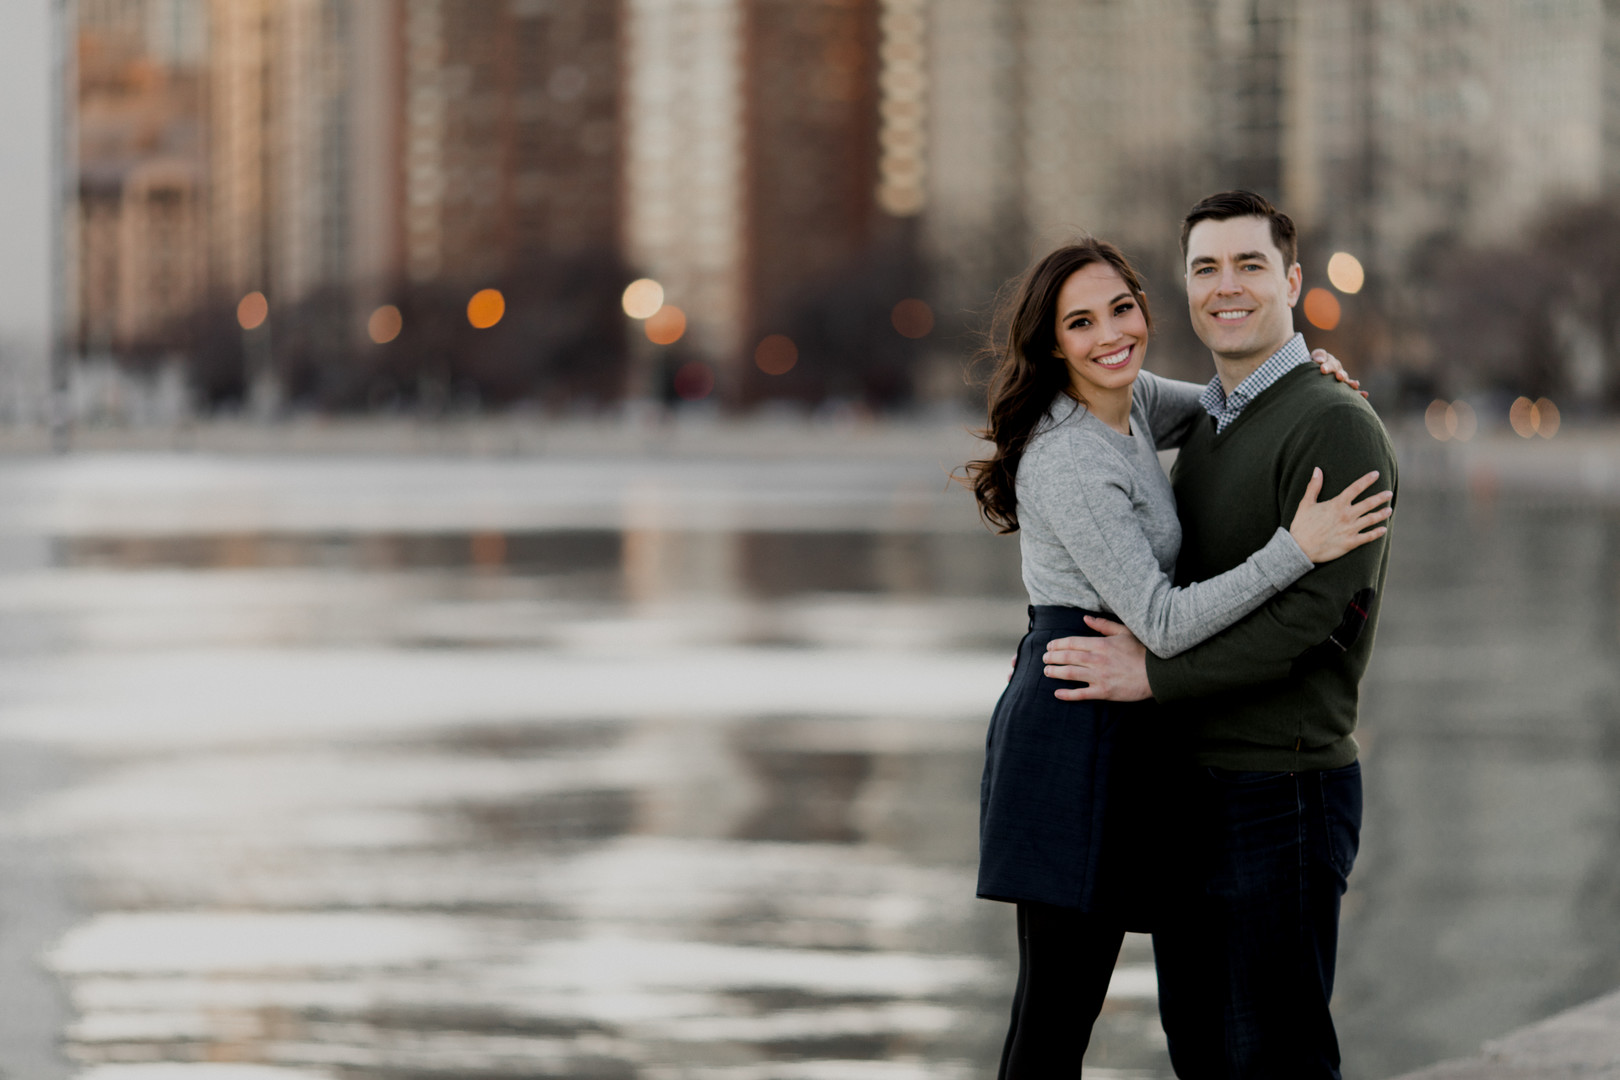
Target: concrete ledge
1583 1042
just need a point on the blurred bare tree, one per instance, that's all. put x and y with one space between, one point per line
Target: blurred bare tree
1537 316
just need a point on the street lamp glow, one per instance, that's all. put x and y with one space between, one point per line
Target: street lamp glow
1345 272
1322 309
252 310
486 307
642 298
666 326
385 324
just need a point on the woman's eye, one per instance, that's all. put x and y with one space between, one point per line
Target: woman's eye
1078 323
1123 308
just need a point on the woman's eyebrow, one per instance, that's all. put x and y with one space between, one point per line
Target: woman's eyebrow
1087 311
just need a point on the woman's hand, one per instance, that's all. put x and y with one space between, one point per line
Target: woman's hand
1329 364
1326 530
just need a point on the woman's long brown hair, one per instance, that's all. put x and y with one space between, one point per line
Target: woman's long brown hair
1028 372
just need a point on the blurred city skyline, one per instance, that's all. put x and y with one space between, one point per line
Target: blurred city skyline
292 203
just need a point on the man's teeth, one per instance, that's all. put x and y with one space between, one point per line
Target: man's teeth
1230 316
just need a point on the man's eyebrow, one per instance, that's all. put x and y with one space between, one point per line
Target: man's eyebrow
1087 311
1242 256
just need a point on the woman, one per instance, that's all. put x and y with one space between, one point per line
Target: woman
1066 810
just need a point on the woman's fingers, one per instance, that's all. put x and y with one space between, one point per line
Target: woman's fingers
1355 487
1331 365
1371 502
1313 488
1371 516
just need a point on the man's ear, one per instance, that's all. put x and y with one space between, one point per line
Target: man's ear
1296 284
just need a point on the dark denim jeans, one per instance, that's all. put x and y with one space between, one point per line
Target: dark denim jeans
1246 957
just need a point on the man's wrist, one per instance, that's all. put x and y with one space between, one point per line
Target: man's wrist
1160 679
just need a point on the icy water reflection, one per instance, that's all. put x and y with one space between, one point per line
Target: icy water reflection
588 798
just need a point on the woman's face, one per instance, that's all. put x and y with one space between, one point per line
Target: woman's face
1101 331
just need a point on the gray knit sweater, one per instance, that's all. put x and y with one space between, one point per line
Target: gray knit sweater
1098 529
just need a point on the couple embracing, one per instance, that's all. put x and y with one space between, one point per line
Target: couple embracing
1224 814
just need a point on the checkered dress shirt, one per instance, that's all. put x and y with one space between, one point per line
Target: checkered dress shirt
1226 408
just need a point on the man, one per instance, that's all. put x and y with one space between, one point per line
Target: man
1269 801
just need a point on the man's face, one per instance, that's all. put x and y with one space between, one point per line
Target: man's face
1239 292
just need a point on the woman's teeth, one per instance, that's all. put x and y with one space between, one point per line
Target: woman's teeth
1114 359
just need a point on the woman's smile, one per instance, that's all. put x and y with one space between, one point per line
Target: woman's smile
1117 359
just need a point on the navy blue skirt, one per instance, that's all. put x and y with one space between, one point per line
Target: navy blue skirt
1069 810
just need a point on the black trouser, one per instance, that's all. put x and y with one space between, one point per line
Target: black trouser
1065 959
1246 963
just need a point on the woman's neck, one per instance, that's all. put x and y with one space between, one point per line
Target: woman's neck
1112 407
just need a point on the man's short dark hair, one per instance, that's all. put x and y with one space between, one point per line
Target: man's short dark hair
1232 204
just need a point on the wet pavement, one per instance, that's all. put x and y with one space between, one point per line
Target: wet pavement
666 767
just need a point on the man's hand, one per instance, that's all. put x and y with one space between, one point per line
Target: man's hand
1115 665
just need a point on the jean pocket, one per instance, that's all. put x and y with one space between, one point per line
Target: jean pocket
1341 815
1240 777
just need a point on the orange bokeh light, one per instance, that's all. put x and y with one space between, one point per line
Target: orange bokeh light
1451 420
694 381
1546 418
486 308
776 354
385 324
1522 418
666 326
252 310
1322 309
912 318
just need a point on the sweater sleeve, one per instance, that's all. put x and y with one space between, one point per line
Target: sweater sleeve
1347 443
1172 407
1089 506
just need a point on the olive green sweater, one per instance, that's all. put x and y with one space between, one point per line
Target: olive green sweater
1278 690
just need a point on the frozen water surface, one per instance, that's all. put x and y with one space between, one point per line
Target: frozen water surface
398 769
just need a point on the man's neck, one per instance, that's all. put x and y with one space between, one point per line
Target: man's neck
1233 370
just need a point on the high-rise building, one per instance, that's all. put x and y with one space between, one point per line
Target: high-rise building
770 143
141 255
812 134
510 132
684 172
300 115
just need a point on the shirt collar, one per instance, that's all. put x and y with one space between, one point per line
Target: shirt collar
1292 353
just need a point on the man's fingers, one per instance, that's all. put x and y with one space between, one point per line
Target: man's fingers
1067 672
1054 657
1106 627
1078 693
1062 643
